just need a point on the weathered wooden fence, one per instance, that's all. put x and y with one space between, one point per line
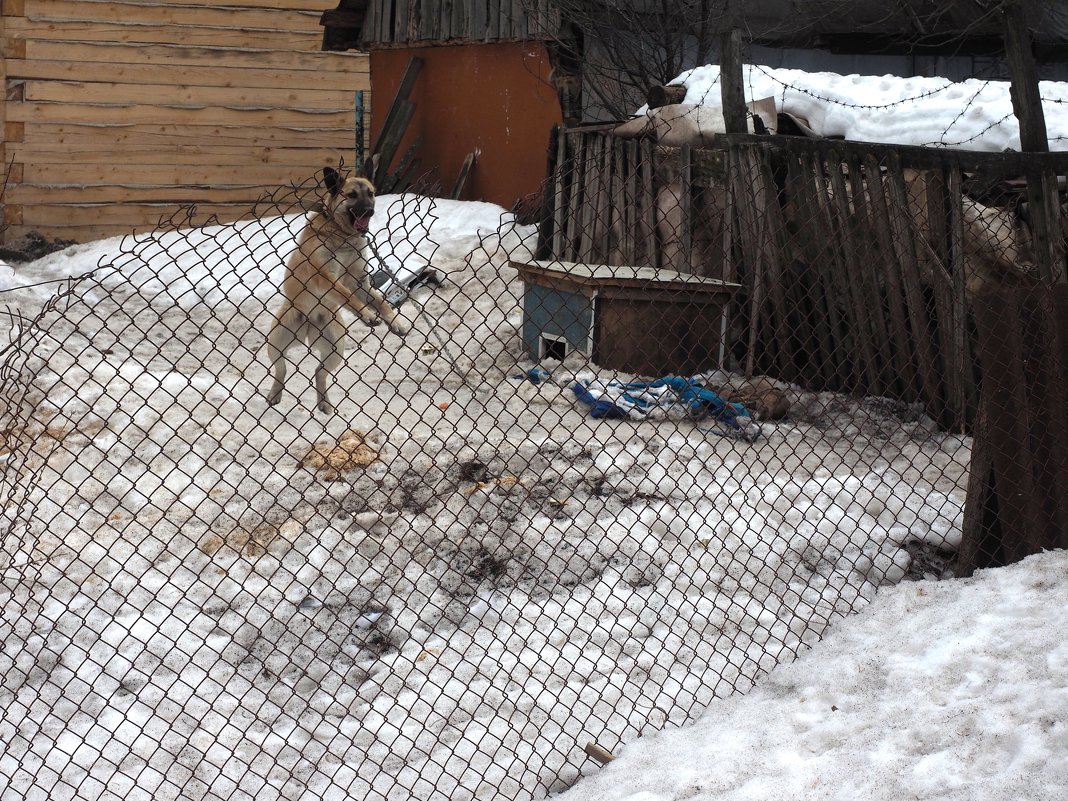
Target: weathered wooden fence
861 262
923 275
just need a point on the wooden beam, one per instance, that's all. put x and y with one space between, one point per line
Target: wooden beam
266 19
169 134
1023 89
397 119
122 54
91 113
178 95
461 179
732 91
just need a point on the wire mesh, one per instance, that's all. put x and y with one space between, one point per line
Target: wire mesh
628 459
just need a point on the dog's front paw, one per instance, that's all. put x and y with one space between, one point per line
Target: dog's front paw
400 326
325 406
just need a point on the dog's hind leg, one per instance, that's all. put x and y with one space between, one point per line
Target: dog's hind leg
287 327
329 347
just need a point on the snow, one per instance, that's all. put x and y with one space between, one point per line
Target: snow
950 690
194 606
975 114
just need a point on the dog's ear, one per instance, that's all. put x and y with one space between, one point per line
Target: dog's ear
333 180
370 167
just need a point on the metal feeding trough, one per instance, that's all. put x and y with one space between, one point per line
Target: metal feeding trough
637 320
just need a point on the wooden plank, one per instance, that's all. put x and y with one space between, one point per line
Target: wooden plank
129 214
558 188
1001 353
850 269
686 202
572 219
493 27
87 113
189 35
1025 93
1046 227
732 91
599 199
906 248
775 248
40 50
23 194
935 254
964 394
550 198
815 325
179 95
587 178
629 154
104 153
443 20
277 18
897 332
428 18
863 173
834 279
400 113
119 174
1057 407
647 189
165 75
617 208
981 536
1047 393
478 20
316 6
745 201
461 178
168 135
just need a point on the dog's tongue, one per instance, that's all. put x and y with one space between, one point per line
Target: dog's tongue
361 223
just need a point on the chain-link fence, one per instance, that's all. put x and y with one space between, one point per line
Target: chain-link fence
626 460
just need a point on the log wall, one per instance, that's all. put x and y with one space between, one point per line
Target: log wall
118 113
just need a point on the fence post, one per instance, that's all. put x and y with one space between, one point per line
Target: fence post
732 91
1023 89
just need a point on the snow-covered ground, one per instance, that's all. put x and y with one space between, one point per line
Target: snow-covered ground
208 597
448 587
951 690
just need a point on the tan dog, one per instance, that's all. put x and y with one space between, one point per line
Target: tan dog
327 271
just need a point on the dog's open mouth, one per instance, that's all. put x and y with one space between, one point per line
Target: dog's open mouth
361 221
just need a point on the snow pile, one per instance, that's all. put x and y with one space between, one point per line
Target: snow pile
974 114
955 690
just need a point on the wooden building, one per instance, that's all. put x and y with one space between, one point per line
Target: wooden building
118 113
486 86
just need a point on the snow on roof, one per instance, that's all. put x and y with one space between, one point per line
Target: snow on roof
975 114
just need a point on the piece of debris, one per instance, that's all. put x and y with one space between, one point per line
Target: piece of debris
602 755
761 396
330 460
30 247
